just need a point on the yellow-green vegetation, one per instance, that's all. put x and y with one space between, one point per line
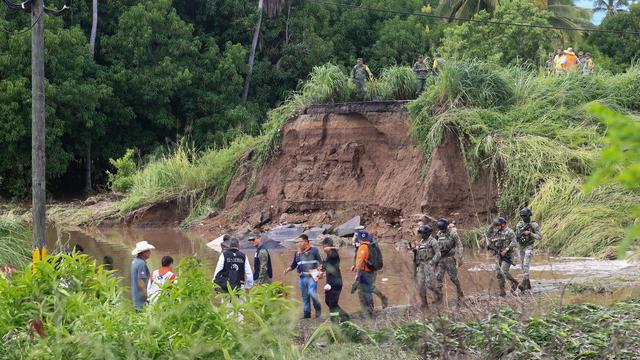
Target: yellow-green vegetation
15 240
569 332
536 136
86 315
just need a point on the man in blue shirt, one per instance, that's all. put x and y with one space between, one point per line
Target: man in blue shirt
140 274
307 261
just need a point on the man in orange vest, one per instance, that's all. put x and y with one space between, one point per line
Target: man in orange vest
571 60
366 276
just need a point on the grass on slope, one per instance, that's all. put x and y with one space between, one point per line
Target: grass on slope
537 137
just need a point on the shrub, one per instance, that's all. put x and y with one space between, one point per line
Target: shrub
122 179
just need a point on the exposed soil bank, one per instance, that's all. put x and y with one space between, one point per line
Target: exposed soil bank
343 160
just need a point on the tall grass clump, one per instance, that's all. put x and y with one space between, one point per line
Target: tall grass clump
327 83
89 317
531 143
397 83
474 84
15 240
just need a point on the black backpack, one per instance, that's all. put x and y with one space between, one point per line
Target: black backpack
375 262
232 274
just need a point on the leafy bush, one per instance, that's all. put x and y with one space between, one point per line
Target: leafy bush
397 83
85 316
15 240
122 179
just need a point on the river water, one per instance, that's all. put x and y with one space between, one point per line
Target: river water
477 274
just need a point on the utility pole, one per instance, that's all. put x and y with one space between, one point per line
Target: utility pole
38 164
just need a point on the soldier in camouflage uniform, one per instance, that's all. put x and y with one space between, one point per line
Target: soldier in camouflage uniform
420 68
426 256
359 75
502 240
451 251
527 232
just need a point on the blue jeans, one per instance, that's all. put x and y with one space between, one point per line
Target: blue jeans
309 290
366 282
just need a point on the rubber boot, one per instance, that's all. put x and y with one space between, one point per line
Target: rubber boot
526 284
460 294
502 292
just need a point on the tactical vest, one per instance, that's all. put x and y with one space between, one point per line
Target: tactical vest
500 239
232 271
425 251
447 243
359 72
526 240
256 264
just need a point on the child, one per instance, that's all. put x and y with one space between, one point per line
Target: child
159 278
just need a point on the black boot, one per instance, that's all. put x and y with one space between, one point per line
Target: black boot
514 286
502 292
526 284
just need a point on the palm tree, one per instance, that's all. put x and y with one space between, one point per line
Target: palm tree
465 9
564 13
610 6
273 8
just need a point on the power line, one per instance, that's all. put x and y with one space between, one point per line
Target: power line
13 33
490 22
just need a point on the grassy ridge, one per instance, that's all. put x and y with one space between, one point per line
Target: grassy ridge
537 137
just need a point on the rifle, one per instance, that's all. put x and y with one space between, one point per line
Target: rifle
506 258
522 239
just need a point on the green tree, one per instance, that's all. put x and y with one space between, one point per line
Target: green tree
504 44
72 104
622 49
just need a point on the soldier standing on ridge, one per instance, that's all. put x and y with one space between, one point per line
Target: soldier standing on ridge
420 68
427 255
527 232
451 251
359 75
502 240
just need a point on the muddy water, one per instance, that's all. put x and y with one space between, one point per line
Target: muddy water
477 274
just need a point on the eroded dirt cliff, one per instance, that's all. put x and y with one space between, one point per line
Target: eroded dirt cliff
339 161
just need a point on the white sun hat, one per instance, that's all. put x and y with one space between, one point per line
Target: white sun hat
142 246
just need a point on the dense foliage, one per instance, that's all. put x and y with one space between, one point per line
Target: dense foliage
535 136
165 70
86 315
